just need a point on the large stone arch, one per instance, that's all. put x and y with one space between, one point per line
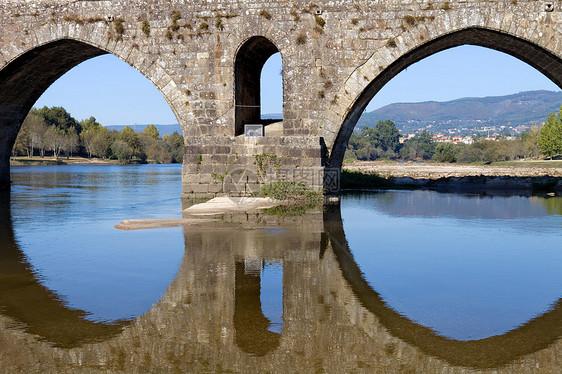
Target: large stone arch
536 46
26 74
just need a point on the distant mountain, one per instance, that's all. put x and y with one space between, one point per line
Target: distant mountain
278 116
162 129
524 108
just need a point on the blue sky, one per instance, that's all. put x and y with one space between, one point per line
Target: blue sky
116 94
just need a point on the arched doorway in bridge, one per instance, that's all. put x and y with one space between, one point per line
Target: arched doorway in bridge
539 58
255 59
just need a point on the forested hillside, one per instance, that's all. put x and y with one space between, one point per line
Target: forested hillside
525 108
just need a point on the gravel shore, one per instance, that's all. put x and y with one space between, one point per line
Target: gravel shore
434 171
455 177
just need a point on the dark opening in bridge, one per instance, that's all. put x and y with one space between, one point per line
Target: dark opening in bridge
249 64
255 333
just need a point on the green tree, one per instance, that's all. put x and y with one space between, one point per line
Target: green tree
470 155
101 143
59 117
122 151
87 137
22 146
420 146
373 142
550 135
37 128
530 142
55 140
129 136
71 142
90 123
386 136
159 153
360 144
152 132
445 152
176 146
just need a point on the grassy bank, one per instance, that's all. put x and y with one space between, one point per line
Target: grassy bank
531 163
358 180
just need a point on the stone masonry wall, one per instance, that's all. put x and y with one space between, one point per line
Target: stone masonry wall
240 165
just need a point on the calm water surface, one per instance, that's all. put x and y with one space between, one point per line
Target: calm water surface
391 281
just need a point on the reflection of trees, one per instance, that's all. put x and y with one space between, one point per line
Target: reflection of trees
454 205
553 205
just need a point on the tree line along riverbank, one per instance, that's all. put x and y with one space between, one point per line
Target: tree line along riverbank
53 133
383 141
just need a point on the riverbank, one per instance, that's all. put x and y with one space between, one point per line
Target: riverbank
546 176
27 161
435 170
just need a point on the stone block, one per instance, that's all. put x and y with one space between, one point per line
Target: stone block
199 188
215 187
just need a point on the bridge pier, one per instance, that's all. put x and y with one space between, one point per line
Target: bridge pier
8 136
4 174
240 166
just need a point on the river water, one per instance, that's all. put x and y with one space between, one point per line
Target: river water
388 281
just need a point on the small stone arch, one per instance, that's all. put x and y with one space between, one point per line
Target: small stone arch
356 94
249 62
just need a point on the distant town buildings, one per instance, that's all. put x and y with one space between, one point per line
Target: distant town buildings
440 138
466 135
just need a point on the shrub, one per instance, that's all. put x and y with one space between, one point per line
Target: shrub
146 27
119 28
320 21
445 152
294 193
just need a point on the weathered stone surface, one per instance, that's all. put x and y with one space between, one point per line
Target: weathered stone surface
206 60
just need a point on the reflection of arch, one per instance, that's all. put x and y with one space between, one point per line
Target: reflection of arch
250 325
26 300
536 56
250 59
491 352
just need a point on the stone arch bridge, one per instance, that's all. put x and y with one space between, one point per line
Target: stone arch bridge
205 57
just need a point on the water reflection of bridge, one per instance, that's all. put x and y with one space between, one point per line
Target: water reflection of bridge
210 318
